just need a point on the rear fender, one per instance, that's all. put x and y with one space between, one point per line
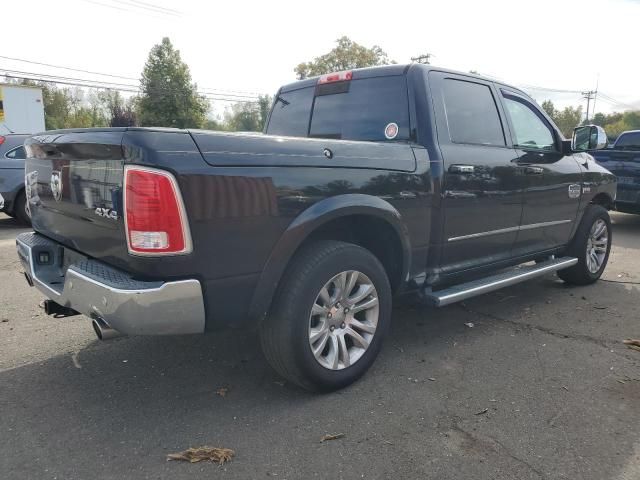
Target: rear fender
305 224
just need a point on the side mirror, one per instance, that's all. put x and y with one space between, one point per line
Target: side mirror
589 137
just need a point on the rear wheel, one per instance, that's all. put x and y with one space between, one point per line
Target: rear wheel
330 316
20 210
591 245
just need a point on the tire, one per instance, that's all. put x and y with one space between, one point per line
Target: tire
585 271
20 209
301 316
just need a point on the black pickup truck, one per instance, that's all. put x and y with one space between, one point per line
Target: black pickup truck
623 160
365 184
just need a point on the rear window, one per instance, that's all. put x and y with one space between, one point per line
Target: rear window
629 140
290 113
372 109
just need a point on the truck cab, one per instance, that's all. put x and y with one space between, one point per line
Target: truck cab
365 185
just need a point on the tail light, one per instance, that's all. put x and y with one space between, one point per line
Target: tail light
155 218
335 77
1 139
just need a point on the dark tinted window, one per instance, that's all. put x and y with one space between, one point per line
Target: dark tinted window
17 153
364 111
472 115
291 112
629 140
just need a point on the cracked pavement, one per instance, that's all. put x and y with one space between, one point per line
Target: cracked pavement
540 388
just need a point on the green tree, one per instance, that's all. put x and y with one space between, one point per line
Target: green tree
248 116
345 56
169 98
566 119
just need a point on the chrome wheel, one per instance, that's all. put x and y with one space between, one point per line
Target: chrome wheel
343 320
597 245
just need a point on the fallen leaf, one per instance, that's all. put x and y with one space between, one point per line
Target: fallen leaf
431 379
482 412
199 454
630 341
469 324
222 391
334 436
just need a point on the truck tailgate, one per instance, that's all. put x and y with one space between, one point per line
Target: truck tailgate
73 185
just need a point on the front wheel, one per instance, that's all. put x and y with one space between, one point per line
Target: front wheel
329 317
591 245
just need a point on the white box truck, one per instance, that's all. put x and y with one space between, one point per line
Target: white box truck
21 109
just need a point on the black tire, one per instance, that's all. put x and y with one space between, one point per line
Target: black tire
285 332
20 209
580 274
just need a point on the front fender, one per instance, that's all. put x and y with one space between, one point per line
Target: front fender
307 222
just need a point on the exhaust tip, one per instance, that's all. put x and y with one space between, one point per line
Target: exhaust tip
103 330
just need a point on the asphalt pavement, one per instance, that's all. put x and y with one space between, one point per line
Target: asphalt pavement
531 382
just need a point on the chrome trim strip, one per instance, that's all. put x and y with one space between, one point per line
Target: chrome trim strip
169 309
485 285
508 230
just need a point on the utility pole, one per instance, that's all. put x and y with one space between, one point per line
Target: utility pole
422 58
589 95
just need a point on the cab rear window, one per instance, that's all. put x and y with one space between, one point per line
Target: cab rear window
373 109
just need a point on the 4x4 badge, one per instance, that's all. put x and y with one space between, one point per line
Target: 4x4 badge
574 191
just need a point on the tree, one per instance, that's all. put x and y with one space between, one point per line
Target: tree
346 55
566 119
248 116
168 97
120 112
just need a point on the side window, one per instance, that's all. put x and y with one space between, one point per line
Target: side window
291 112
630 141
472 115
529 129
16 153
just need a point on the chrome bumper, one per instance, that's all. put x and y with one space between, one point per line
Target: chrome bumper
1 202
99 291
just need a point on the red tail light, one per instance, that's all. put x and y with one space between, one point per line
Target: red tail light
1 139
155 219
335 77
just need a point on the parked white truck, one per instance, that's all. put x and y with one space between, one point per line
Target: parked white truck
21 109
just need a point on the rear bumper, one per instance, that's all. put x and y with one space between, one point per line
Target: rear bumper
99 291
1 202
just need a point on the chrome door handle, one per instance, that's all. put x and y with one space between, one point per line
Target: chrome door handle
461 169
533 170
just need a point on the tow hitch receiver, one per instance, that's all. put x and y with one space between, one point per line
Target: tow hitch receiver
57 310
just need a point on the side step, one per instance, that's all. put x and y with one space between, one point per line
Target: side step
463 291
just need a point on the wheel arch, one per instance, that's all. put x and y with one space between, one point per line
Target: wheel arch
330 219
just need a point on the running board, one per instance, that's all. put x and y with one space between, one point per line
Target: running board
463 291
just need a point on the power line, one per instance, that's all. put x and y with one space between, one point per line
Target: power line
90 72
150 7
131 89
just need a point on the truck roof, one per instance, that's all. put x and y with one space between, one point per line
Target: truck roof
396 69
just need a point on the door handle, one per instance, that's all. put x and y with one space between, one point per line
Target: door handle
533 170
461 169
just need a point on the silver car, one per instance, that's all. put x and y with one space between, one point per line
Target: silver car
12 157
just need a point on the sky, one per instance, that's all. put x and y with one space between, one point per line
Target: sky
246 47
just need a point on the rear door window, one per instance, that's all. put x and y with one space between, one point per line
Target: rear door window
374 109
16 153
472 114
